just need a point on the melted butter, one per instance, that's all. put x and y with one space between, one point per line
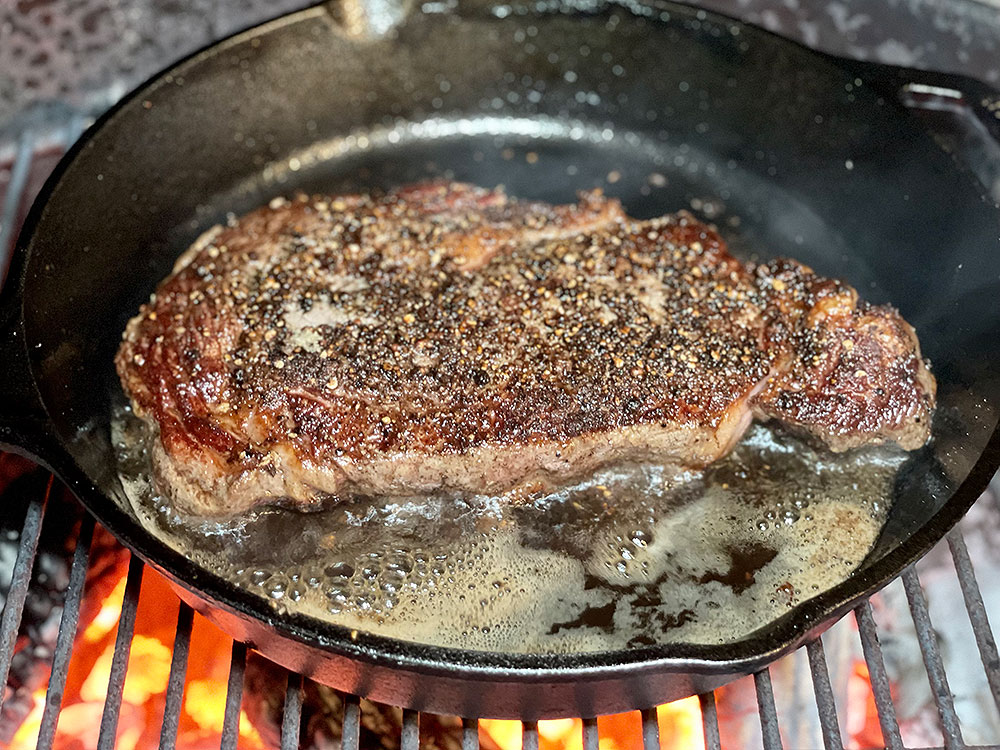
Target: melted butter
633 556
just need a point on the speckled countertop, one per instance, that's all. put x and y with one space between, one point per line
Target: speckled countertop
62 55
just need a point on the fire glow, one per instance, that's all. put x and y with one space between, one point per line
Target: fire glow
679 724
145 686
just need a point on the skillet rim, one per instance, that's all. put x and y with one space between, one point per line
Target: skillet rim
759 648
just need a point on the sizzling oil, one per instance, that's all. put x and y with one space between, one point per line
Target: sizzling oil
633 556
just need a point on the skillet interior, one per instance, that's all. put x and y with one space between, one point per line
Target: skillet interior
814 161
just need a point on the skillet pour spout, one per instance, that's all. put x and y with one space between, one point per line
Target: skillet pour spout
799 154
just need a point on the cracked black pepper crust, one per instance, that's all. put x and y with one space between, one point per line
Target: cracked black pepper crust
447 336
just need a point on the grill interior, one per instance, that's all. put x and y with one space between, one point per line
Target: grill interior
28 162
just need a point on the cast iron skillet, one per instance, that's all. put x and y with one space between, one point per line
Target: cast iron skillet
815 155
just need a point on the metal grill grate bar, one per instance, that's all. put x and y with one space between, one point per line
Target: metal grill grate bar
119 662
409 738
825 703
977 611
591 741
877 676
67 634
291 715
932 661
351 733
768 713
650 730
710 721
470 734
529 735
21 577
15 192
175 682
234 697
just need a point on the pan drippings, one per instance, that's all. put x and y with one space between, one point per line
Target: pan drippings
634 556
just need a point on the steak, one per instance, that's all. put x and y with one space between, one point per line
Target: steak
445 337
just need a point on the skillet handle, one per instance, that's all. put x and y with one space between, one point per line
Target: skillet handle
938 92
24 425
963 112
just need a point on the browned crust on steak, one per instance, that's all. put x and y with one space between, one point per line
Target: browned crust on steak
448 337
856 375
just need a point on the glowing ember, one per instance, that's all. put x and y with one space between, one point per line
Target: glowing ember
145 686
679 723
506 734
863 728
107 617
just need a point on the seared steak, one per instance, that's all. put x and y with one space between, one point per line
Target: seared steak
447 337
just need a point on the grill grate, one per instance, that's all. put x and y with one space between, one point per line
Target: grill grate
30 160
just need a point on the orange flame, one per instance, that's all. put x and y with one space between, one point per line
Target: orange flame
679 724
144 692
863 728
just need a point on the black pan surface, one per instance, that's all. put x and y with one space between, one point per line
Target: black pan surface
816 156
